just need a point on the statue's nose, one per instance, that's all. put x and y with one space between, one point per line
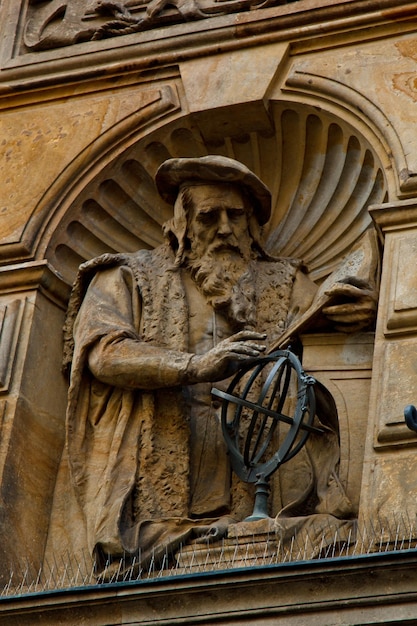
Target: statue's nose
224 228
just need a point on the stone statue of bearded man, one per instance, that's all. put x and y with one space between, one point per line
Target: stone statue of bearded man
151 331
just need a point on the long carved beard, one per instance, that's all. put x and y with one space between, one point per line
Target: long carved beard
225 277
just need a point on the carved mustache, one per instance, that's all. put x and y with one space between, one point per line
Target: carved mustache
225 244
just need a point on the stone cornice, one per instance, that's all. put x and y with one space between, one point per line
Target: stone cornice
306 20
401 215
354 590
34 275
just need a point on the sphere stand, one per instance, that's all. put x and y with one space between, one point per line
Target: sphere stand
260 507
251 435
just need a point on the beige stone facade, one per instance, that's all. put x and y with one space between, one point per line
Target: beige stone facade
318 98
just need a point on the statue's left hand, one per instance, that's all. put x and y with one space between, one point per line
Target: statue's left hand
354 309
225 358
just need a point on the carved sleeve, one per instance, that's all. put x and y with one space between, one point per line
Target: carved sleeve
303 293
109 323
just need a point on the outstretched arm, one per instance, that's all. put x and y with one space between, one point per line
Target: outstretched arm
134 364
117 355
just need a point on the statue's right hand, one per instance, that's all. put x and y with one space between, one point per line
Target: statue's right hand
226 357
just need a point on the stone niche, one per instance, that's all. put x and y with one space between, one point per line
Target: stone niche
323 175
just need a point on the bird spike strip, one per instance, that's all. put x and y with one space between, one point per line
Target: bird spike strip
64 572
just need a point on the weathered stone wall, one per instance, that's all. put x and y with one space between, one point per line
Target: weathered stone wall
317 97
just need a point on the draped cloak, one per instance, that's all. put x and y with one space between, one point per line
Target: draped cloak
127 453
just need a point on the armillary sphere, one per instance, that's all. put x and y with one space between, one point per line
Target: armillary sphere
259 435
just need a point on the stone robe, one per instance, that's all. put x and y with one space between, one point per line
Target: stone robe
127 455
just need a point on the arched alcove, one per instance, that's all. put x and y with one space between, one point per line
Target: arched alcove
322 173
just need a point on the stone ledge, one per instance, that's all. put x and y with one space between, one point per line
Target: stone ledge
368 589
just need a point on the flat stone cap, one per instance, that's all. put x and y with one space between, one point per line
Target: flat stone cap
213 169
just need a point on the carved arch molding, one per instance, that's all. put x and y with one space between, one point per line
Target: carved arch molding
323 175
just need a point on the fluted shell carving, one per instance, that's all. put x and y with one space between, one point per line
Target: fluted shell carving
322 173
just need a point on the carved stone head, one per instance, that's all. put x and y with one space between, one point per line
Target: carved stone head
174 173
188 182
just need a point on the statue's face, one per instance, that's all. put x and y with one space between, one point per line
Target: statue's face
219 220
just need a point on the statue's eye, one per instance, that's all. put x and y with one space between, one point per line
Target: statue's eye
208 217
235 214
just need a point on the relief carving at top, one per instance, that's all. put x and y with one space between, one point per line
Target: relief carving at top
64 22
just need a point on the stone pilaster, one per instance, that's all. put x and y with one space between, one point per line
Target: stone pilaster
32 407
389 488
